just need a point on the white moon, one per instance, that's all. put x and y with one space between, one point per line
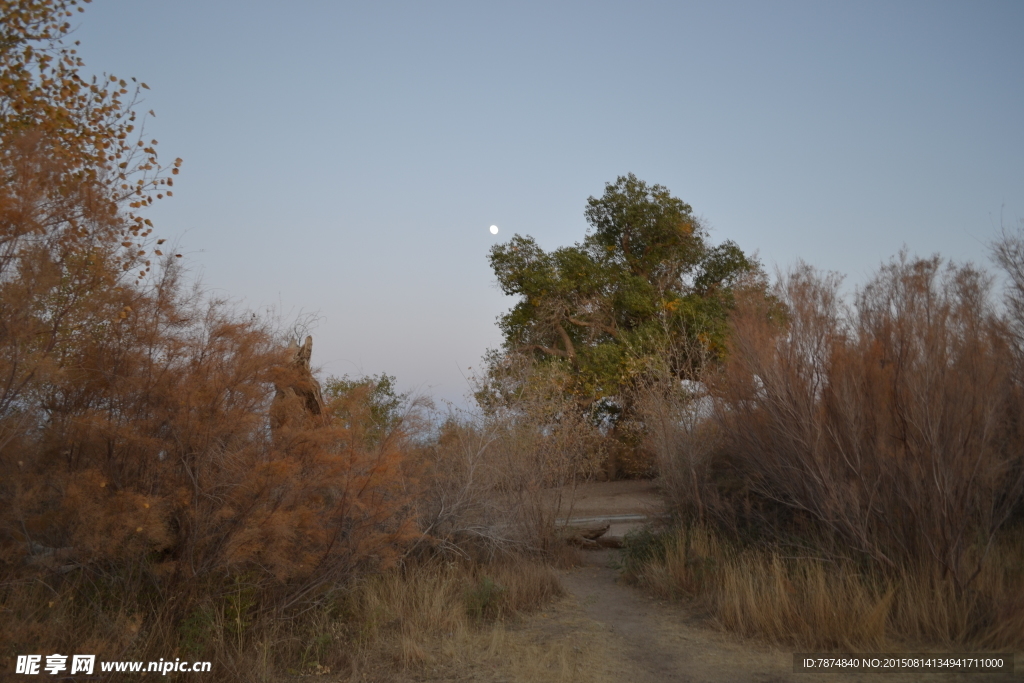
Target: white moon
494 229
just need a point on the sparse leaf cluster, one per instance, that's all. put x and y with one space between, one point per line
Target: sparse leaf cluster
86 128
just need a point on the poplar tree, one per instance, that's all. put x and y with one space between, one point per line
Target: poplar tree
644 294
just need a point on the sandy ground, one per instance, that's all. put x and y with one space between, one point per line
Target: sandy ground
624 504
631 637
617 498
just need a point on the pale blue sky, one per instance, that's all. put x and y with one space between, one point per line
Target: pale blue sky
348 158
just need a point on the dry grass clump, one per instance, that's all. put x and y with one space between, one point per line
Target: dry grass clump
440 613
821 603
424 613
811 602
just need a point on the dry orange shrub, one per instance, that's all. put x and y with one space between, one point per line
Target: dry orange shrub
893 425
852 476
145 442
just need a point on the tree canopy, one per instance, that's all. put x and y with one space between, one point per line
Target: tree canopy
645 287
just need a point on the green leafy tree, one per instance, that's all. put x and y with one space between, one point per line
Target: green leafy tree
644 291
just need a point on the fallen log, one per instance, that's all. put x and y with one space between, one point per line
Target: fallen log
590 538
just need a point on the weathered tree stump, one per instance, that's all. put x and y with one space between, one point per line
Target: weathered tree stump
299 391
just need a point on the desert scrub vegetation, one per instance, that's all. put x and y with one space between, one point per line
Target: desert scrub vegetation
173 481
853 472
500 478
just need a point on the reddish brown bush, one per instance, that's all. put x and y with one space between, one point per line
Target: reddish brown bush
139 474
894 425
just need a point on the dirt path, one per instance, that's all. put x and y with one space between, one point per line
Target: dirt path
623 504
652 642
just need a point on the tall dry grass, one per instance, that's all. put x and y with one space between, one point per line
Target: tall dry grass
431 613
822 603
439 597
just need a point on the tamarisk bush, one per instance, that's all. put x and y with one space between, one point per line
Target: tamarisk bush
851 476
894 424
136 450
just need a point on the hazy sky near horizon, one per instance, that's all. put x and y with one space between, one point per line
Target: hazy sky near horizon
346 159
